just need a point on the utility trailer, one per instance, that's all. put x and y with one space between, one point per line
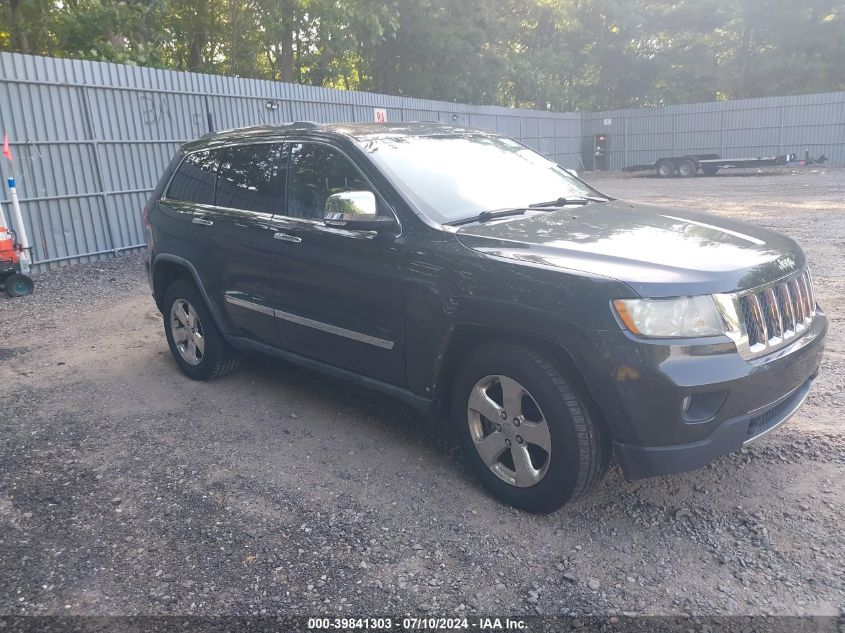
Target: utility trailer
709 164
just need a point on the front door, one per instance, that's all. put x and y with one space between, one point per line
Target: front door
339 292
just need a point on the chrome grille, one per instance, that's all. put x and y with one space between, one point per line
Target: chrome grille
776 313
788 312
754 323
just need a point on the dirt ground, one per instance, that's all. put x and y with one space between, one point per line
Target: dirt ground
126 488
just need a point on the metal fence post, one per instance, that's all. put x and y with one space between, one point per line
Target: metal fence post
674 144
98 168
209 117
35 215
625 138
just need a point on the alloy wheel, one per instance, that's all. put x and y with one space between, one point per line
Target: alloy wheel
509 431
186 328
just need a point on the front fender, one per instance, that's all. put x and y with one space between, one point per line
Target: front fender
464 289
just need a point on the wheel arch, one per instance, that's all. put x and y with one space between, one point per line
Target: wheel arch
167 268
464 338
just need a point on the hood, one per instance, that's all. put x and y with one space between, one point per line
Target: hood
658 252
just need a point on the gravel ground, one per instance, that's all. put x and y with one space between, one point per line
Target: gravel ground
127 489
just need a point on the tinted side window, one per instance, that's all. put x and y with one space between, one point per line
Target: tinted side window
252 177
317 171
194 179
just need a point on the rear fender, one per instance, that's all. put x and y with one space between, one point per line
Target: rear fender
158 292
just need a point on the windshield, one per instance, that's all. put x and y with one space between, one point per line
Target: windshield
453 177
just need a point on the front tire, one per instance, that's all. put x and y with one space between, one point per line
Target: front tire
194 340
526 432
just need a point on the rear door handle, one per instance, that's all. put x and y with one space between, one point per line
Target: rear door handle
202 221
287 238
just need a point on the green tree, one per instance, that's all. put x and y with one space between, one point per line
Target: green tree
772 47
558 54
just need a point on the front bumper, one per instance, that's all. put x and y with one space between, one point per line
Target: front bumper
639 462
741 400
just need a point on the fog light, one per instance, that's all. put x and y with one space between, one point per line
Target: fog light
702 407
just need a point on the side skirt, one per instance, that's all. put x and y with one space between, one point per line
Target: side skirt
425 405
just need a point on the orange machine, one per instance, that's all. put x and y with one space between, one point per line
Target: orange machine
14 281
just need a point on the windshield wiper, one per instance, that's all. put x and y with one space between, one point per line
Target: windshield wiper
484 216
563 202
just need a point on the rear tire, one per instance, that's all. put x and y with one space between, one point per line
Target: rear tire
564 453
665 169
194 340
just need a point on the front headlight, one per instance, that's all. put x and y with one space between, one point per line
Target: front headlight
666 318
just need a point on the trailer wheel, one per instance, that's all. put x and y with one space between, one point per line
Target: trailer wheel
665 168
710 170
687 168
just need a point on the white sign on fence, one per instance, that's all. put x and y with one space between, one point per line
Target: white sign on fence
379 115
608 121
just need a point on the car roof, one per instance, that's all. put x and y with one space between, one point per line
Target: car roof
357 131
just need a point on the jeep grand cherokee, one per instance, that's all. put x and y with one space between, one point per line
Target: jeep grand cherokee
468 275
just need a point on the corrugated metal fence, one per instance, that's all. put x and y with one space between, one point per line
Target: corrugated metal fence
745 128
91 139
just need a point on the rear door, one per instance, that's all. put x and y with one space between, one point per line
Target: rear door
237 249
191 188
339 292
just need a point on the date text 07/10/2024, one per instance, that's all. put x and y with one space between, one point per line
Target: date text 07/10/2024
417 624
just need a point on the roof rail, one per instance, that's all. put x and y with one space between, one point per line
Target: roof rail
303 125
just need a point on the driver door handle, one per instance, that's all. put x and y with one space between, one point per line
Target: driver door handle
285 237
202 221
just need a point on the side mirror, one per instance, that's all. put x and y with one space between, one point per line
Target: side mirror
354 210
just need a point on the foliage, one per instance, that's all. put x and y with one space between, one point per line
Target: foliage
558 54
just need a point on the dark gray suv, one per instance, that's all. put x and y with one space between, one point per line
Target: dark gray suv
467 275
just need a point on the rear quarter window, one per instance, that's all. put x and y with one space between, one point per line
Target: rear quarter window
195 178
